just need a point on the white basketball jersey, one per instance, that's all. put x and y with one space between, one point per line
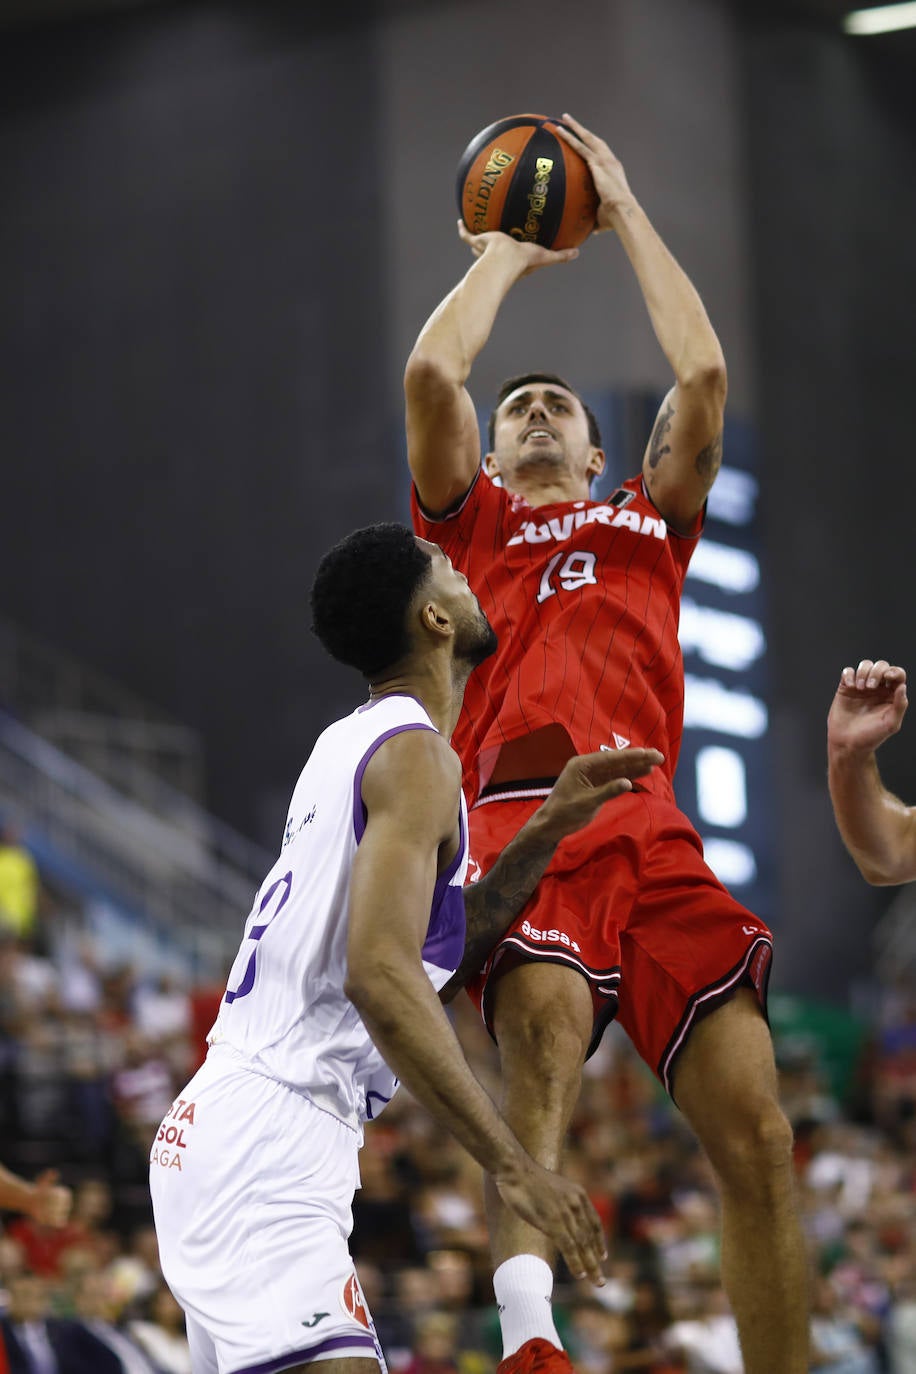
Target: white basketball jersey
284 1011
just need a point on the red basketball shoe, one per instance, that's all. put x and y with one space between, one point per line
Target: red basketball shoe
536 1356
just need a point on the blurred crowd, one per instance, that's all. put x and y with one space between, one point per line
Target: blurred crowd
90 1058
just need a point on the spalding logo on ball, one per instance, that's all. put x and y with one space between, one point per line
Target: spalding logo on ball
517 175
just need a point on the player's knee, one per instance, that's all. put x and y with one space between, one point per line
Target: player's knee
751 1149
539 1044
535 1044
543 1018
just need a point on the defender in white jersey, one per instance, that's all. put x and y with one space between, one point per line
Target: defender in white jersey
285 1010
333 993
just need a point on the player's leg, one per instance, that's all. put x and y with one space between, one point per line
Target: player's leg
726 1085
688 946
248 1141
542 1016
558 967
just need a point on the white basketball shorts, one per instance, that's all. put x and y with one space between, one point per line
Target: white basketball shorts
252 1187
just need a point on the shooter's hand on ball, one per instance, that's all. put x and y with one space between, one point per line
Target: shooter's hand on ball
530 256
614 194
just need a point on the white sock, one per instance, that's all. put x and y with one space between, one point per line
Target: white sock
524 1286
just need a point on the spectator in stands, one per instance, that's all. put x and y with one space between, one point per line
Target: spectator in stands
901 1328
12 1262
135 1274
96 1337
161 1333
689 1250
142 1090
648 1319
837 1342
707 1338
142 1087
412 1295
90 1056
435 1344
80 979
448 1208
35 1342
162 1009
20 886
28 1336
596 1335
454 1273
383 1225
30 979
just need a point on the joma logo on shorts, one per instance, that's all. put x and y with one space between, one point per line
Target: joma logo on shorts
553 937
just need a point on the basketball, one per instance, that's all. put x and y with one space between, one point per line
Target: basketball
517 175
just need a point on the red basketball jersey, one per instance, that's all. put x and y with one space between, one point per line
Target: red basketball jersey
584 597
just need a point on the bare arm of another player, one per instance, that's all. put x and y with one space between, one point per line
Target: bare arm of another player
877 829
685 449
443 440
45 1200
411 789
492 904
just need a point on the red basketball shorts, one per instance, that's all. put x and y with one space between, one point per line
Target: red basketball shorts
631 905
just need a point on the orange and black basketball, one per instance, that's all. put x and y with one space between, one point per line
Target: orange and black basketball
519 176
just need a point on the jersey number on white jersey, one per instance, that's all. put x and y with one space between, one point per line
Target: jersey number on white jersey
286 884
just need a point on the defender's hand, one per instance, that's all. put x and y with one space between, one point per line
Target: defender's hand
561 1210
529 256
869 706
589 780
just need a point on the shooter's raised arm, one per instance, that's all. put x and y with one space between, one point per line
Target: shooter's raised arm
443 441
685 449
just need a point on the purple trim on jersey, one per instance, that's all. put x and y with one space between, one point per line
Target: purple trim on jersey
445 935
445 878
359 806
308 1353
444 943
383 1103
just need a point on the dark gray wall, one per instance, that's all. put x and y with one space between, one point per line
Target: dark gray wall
221 226
831 140
191 394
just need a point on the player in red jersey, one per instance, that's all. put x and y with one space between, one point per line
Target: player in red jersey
584 597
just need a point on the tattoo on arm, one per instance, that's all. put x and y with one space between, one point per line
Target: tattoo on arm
709 459
492 904
657 448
